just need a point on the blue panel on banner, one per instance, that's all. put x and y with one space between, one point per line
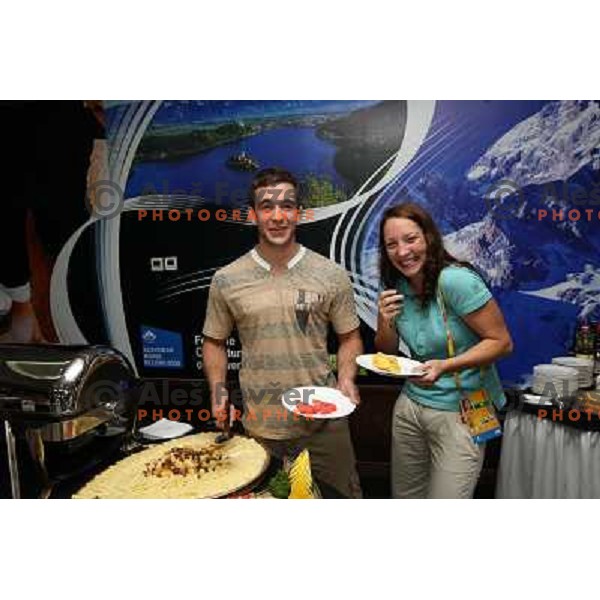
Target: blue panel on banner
161 348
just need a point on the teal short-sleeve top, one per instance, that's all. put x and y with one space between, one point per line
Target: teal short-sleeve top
424 332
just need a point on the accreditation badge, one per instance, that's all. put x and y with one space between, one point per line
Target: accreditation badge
478 413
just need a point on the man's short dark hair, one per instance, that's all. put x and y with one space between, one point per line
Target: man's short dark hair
271 177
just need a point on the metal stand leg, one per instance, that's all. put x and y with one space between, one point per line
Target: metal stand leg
13 465
36 449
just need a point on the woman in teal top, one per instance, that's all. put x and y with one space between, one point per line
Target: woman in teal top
433 454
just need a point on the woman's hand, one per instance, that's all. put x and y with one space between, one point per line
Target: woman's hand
390 305
432 371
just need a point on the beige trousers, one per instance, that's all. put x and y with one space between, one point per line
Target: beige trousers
332 456
433 455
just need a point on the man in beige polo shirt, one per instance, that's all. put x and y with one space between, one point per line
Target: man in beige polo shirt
282 297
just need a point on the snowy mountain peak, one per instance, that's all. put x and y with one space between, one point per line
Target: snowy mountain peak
486 247
551 145
582 289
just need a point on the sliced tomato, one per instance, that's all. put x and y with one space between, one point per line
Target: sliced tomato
324 408
317 407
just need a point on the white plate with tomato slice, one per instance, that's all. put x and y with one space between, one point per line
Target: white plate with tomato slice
313 402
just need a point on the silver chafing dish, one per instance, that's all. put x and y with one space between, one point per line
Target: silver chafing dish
62 396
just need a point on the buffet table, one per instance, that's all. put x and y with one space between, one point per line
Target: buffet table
550 452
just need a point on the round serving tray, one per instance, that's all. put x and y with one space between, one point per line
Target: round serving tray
248 460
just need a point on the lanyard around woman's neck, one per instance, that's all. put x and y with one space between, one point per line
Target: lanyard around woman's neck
450 345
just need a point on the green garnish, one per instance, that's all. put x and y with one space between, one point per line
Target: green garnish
279 484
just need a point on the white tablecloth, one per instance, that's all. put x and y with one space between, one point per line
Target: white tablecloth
542 459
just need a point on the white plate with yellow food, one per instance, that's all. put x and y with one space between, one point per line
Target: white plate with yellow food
190 467
392 366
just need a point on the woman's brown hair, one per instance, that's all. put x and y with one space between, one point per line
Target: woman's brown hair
437 257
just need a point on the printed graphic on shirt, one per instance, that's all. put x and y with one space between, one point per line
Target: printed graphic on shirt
305 302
